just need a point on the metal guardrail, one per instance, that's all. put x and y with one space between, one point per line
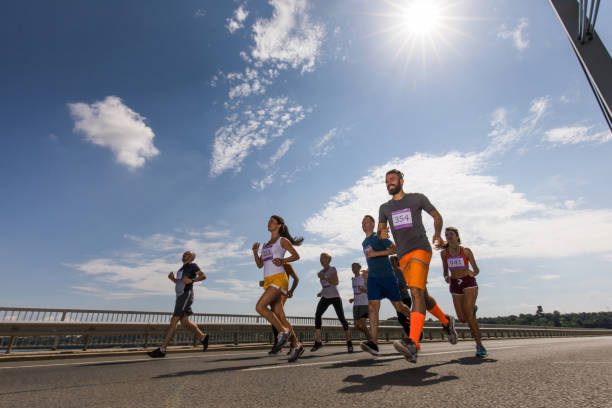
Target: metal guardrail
35 329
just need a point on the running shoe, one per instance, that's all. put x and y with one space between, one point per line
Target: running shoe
316 346
481 351
450 330
369 347
349 346
157 353
408 348
281 339
204 342
296 353
274 351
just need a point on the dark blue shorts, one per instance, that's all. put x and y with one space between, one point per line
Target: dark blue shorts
387 287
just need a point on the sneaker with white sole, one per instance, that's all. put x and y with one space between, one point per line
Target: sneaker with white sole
370 347
296 353
157 353
408 348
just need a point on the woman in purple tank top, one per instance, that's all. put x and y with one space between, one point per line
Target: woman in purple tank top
456 261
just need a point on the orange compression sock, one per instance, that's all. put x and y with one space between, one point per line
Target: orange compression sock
439 314
417 321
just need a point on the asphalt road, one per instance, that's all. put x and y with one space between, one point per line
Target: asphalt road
562 372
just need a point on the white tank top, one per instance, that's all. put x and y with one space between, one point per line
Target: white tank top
268 253
359 299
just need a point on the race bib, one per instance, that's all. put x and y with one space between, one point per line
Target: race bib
179 274
325 283
456 262
402 218
266 253
366 249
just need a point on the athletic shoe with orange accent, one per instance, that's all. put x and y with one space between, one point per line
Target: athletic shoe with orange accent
450 330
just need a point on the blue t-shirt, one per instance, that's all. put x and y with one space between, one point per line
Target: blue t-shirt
380 266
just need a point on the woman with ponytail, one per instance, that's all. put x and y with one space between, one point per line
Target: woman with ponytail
463 286
276 282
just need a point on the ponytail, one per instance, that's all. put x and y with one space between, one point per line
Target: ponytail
284 231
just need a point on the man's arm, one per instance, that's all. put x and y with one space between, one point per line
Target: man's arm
200 276
389 251
438 222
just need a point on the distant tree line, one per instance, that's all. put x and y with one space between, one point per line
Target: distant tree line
598 320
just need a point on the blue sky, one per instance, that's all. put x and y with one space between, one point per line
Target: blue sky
132 132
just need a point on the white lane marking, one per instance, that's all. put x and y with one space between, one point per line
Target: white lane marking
582 362
128 360
286 365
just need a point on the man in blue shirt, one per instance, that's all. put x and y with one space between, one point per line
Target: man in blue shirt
382 282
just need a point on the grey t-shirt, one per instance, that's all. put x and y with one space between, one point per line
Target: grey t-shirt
406 223
329 290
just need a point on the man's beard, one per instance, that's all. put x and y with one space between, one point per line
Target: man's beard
394 190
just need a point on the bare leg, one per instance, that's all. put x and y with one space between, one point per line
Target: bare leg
429 301
402 308
374 308
418 300
268 297
279 310
363 327
191 326
173 326
470 295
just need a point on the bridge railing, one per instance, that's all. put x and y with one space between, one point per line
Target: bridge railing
39 329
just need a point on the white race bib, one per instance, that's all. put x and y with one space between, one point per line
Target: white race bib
402 218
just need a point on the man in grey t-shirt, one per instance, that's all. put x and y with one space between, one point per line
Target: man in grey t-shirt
404 214
183 286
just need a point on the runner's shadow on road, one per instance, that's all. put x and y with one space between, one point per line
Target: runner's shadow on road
213 370
364 362
311 355
409 377
239 359
473 360
112 363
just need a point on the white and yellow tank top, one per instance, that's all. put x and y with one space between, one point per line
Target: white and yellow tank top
268 253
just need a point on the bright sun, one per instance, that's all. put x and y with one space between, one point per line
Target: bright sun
419 29
421 17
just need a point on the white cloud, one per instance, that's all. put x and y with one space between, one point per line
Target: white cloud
517 35
282 150
548 277
504 135
110 123
570 135
494 219
146 274
289 37
236 22
260 185
323 145
251 129
279 154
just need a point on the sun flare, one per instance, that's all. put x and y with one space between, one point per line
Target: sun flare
421 29
421 17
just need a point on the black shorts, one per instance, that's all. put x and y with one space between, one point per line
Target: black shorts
360 312
182 306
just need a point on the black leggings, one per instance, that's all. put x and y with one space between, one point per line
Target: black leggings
403 320
324 303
